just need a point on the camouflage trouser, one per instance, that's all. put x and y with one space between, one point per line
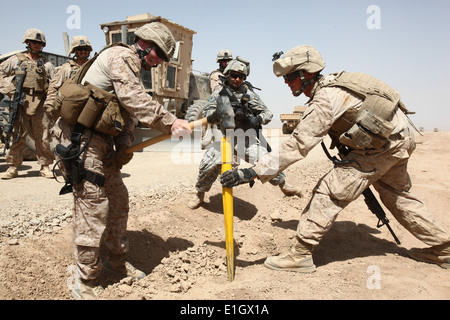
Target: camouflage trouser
211 163
38 127
386 171
98 210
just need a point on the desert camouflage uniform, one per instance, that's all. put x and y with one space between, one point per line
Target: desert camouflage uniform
214 81
100 210
66 71
385 170
210 165
31 119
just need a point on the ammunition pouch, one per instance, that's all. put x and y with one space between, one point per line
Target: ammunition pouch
89 105
368 127
37 79
369 132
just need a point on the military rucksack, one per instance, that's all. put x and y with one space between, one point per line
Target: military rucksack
368 127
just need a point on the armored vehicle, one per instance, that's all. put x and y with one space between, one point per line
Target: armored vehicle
173 83
291 120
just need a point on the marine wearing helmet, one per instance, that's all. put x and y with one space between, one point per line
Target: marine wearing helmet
157 34
304 62
34 36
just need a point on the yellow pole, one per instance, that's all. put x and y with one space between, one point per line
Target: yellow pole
227 198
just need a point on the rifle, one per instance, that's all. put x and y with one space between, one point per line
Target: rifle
369 198
14 105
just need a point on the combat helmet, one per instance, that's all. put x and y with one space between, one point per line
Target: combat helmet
34 35
238 65
224 54
160 35
79 41
297 61
305 57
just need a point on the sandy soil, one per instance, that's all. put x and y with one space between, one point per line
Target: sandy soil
183 251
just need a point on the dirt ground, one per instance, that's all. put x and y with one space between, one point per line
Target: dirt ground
182 251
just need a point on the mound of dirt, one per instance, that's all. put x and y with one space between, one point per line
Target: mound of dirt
182 251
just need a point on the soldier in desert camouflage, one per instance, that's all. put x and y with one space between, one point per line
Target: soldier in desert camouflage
31 119
365 118
223 57
81 48
103 210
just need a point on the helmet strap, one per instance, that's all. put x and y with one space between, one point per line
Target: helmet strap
305 83
142 54
33 52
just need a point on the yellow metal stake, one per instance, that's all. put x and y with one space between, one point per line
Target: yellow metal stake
227 198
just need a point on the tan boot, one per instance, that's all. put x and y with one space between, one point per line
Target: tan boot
11 173
86 290
197 200
439 255
290 191
46 172
116 263
298 259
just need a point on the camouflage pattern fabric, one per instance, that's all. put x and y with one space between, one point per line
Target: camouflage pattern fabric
31 119
384 169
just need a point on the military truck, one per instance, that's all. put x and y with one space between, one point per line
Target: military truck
173 84
291 120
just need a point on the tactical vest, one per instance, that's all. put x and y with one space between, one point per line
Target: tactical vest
89 105
37 78
368 127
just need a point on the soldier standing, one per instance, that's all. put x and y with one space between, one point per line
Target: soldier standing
366 121
101 199
81 48
223 57
250 114
31 118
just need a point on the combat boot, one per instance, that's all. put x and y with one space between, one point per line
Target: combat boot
46 172
439 255
11 173
197 200
290 191
298 259
86 289
117 263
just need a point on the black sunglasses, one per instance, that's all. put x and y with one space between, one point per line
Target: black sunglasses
236 75
160 53
291 76
36 42
83 49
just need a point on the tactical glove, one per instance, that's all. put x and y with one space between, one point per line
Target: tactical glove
255 122
235 177
121 158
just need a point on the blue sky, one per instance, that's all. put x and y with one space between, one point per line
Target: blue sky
406 45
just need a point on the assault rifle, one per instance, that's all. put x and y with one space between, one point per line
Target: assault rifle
14 105
369 198
242 113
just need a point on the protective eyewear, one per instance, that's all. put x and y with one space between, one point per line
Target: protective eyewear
160 53
36 42
83 49
291 76
235 75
